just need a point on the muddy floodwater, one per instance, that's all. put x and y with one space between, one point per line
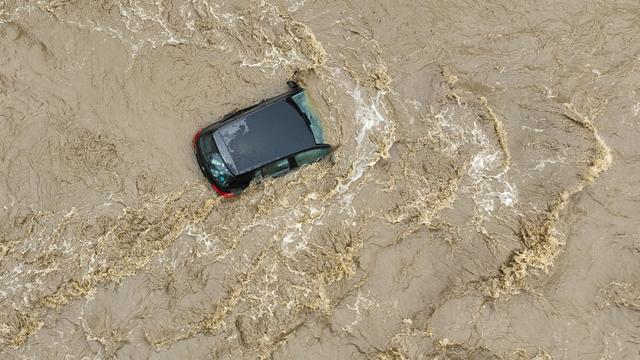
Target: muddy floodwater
483 202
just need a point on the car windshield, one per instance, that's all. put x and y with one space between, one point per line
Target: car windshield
305 106
219 170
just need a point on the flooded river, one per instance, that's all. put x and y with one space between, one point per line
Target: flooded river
482 204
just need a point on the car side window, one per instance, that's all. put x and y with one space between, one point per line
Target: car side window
275 169
311 156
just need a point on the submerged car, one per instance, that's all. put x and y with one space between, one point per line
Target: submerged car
264 140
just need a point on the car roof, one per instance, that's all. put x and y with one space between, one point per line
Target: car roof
267 133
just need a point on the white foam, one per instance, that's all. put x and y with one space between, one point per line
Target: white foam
369 115
489 175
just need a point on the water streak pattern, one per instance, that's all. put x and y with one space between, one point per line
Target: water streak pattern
480 204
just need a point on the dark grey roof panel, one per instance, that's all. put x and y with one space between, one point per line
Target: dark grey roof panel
263 135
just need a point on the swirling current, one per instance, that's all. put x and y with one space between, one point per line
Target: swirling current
482 202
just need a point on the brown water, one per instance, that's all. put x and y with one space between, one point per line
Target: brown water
483 203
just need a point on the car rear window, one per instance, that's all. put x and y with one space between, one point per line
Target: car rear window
215 165
219 170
